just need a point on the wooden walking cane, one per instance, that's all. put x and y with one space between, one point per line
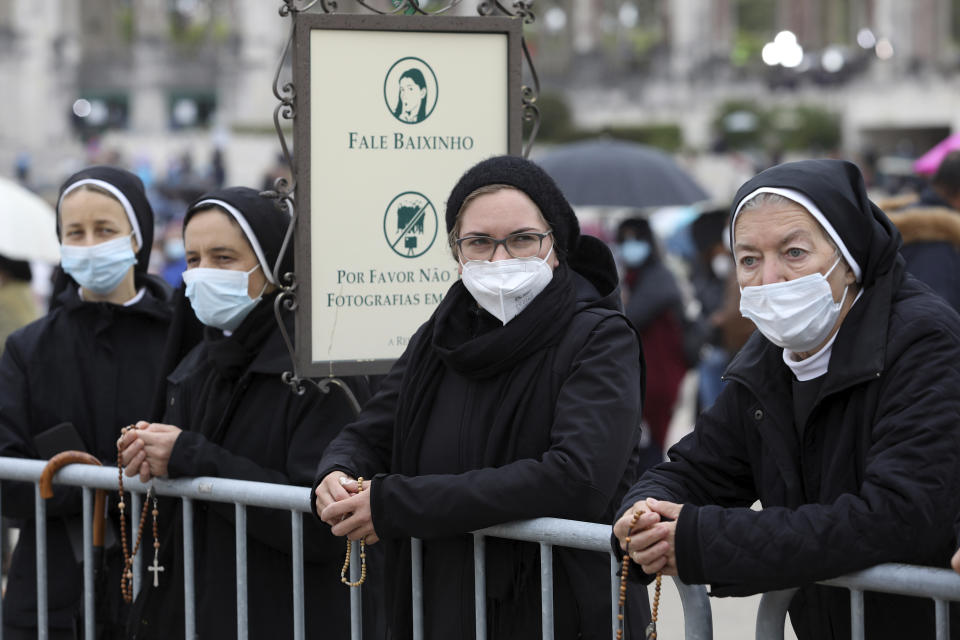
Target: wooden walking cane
61 460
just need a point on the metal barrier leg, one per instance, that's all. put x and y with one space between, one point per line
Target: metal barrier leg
189 596
697 614
614 594
546 589
416 586
296 528
40 514
772 614
942 608
137 564
480 586
356 603
857 630
88 594
241 517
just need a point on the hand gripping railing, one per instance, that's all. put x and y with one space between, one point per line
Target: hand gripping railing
548 532
941 585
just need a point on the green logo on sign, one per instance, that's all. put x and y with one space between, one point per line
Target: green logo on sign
410 90
410 224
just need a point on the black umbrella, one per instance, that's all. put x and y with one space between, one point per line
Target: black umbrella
620 174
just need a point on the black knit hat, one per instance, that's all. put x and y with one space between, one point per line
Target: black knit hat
263 223
530 179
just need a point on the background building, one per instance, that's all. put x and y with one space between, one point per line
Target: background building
162 84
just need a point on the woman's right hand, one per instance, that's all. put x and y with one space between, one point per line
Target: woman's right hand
145 450
336 486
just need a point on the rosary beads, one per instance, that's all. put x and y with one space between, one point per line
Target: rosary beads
363 555
651 633
126 578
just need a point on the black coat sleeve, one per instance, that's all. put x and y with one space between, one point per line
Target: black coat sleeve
596 420
16 437
903 511
364 447
311 421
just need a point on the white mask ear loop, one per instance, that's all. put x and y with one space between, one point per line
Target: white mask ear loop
265 281
846 287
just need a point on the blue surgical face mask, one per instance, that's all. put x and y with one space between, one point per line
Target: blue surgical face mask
219 296
635 252
99 268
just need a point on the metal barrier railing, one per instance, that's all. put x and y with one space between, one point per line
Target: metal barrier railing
940 585
548 532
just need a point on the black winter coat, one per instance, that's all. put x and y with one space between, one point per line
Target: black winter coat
267 433
873 480
95 365
576 466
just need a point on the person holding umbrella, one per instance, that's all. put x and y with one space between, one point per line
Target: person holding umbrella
75 377
519 398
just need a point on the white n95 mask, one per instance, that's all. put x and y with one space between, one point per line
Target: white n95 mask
505 287
797 314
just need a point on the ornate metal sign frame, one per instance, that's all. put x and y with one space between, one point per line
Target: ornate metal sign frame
294 298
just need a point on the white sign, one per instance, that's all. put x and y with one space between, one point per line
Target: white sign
395 118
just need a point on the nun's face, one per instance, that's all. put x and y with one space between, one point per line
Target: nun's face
780 242
89 217
501 213
214 241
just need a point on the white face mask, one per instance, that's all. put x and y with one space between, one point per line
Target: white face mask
219 296
99 268
797 314
505 287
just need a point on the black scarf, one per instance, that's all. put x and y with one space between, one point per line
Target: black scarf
454 337
229 357
471 342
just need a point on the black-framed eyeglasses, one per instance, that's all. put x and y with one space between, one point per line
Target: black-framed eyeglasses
524 244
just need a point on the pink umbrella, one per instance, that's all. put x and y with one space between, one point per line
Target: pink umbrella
928 163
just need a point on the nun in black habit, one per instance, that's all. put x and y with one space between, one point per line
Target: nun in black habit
840 415
75 377
519 398
230 415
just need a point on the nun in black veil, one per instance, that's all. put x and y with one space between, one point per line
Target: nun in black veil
228 414
74 378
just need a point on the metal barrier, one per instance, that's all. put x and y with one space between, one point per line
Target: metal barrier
940 585
548 532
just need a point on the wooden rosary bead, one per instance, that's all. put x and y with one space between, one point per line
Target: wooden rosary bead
126 578
651 632
363 555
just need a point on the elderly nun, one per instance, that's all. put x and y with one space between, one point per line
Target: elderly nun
840 416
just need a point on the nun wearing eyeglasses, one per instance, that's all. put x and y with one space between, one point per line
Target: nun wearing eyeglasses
229 414
840 415
519 398
74 378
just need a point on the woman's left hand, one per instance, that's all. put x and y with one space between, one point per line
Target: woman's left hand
352 517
